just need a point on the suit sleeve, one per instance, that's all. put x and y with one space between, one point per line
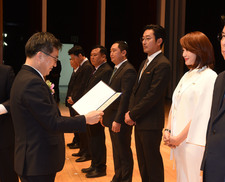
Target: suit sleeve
10 79
155 92
79 89
38 103
127 84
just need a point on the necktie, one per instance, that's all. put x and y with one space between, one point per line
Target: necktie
114 71
143 69
94 71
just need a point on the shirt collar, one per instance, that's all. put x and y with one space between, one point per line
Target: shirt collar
37 71
75 70
99 65
150 58
86 59
118 65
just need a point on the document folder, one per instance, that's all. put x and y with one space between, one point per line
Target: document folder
98 98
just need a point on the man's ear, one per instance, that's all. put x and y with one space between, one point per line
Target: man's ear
159 41
39 56
124 52
80 56
104 56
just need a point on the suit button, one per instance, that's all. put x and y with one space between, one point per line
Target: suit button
214 132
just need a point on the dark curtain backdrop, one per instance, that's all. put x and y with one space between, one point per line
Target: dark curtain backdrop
20 20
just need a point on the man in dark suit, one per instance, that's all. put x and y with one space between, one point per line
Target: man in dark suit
96 133
54 77
146 110
83 74
7 172
75 65
122 80
39 127
213 164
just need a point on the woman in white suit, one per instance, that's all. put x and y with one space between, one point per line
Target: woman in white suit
191 104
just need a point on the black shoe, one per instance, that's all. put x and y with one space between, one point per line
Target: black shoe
74 146
87 170
70 144
95 174
79 154
83 158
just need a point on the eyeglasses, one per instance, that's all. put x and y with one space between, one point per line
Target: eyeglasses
56 59
145 38
220 36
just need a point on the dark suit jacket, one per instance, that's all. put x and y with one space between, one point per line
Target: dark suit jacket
215 139
103 73
72 82
39 127
147 99
122 81
83 74
6 126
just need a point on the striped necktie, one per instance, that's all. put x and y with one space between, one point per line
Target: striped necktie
143 69
114 71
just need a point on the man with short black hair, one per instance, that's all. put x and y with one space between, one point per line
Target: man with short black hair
96 133
122 80
39 126
146 110
83 74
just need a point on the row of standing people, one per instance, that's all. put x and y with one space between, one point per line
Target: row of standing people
39 126
189 115
143 95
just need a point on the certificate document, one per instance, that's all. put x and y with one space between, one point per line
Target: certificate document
98 98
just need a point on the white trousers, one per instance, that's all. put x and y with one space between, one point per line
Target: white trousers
188 158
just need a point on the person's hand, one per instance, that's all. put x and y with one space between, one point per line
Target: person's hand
101 121
70 100
174 141
93 117
172 146
128 120
166 137
116 127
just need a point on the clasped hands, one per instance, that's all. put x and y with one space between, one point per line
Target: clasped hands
171 141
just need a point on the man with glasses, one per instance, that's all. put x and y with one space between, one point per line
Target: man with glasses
213 163
146 110
39 126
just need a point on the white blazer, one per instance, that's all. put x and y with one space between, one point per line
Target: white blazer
192 101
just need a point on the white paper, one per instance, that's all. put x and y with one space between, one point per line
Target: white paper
98 98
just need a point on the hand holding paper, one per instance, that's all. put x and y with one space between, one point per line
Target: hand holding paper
98 98
93 117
